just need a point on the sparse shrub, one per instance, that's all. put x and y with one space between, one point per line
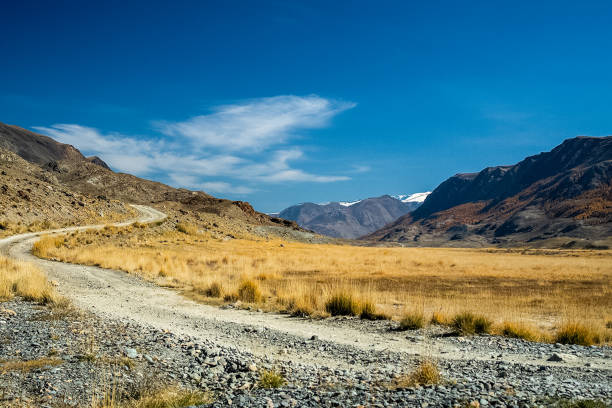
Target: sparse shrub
587 403
342 304
299 308
154 397
25 280
188 229
249 292
230 297
519 331
482 324
609 324
214 290
368 312
576 333
28 365
467 323
426 373
271 379
439 318
412 321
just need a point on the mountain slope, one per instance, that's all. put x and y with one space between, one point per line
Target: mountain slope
349 219
70 171
562 193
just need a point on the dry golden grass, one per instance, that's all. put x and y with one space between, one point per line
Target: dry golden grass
426 373
578 333
521 330
412 321
27 365
541 289
25 280
271 379
165 397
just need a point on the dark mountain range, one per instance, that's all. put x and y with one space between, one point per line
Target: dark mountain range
348 219
561 197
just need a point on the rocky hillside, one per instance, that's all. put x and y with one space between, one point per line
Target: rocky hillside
32 198
558 198
349 219
59 167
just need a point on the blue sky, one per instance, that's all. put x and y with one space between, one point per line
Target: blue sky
280 102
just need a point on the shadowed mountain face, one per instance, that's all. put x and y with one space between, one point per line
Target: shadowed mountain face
348 220
562 193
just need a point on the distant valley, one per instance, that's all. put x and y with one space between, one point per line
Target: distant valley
352 219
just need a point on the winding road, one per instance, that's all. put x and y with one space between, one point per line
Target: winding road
118 295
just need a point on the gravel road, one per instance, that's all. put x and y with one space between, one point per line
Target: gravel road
360 355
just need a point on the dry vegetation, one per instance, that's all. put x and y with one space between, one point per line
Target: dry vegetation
27 365
25 280
425 373
160 397
533 294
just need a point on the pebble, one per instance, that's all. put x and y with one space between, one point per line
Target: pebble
358 379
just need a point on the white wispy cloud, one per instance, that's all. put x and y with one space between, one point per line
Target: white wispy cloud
257 124
245 142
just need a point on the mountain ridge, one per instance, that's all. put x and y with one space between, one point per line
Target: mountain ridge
564 192
92 177
348 219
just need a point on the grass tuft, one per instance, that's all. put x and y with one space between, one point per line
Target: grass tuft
368 312
28 365
169 397
439 318
585 403
271 379
519 331
412 321
188 229
426 373
248 291
25 280
467 323
576 333
214 290
342 304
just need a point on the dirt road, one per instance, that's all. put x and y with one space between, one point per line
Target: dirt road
118 295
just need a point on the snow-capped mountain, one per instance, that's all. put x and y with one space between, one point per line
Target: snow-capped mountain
412 198
404 198
352 219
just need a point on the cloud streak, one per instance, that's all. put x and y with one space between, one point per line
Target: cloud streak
257 124
245 143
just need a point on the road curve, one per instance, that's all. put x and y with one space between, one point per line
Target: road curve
147 215
118 295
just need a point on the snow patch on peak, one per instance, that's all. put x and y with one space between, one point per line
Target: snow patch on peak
348 203
412 198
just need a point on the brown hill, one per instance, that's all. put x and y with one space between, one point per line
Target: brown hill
91 178
32 199
561 197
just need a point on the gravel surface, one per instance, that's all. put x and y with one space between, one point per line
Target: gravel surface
342 362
